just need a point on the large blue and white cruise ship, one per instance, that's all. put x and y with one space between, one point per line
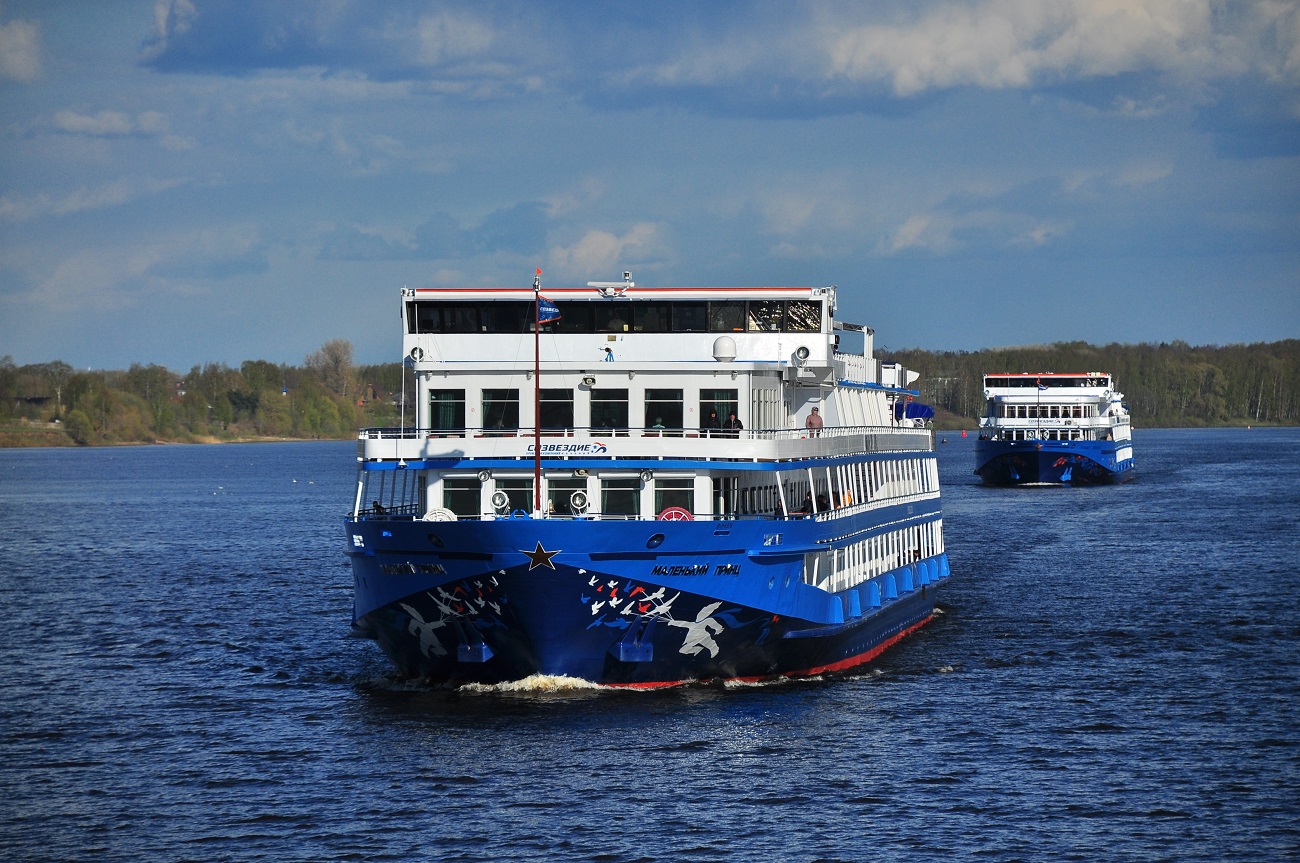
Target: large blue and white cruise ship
1054 429
651 486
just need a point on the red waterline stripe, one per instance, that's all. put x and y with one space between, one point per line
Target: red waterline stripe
842 665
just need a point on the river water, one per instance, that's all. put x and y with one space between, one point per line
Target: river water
1113 677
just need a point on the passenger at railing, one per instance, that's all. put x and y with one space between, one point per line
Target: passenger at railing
712 425
807 508
823 503
814 423
658 427
780 510
732 427
379 509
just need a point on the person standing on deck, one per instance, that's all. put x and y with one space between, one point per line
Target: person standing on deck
814 423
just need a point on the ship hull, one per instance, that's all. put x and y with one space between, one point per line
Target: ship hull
496 601
1051 463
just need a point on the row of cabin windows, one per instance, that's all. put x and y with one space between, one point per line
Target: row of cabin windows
1047 411
858 482
1044 383
610 408
1047 434
841 568
618 496
619 316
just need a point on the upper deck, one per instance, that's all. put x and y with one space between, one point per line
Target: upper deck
493 328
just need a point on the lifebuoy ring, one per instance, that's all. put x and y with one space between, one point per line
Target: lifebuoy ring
676 513
439 514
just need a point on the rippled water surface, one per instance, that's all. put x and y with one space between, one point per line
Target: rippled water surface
1114 677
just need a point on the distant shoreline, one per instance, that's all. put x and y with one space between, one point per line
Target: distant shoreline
53 438
36 438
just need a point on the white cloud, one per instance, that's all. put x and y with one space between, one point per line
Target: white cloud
20 51
447 36
113 194
1013 43
110 124
600 251
921 232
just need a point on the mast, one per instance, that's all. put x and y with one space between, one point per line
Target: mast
537 394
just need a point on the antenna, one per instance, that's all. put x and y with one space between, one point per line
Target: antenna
614 289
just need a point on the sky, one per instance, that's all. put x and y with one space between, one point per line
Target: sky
211 181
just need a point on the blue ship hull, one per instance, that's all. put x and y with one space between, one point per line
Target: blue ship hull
1040 462
629 603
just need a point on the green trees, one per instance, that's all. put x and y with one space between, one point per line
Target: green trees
321 399
1172 384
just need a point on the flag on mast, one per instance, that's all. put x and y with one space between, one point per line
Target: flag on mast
547 311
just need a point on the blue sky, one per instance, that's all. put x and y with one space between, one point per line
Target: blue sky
191 181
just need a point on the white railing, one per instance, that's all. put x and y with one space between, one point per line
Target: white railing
385 444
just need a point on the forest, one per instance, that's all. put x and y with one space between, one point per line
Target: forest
51 404
328 396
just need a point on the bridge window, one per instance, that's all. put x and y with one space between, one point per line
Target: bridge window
675 492
609 409
500 409
447 410
690 317
727 317
557 411
620 496
612 317
461 496
803 316
663 409
766 317
520 492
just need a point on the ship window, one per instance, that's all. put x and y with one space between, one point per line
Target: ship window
575 317
461 496
724 402
609 409
500 410
447 410
766 316
803 316
520 492
620 496
650 318
446 317
663 409
612 317
674 492
559 492
727 317
508 317
690 317
557 411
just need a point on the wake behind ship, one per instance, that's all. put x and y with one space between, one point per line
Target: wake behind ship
644 486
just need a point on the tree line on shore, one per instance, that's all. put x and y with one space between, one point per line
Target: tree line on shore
1169 385
328 396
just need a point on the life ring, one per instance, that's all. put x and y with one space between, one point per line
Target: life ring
439 514
676 513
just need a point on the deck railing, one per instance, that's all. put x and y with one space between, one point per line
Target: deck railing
384 444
